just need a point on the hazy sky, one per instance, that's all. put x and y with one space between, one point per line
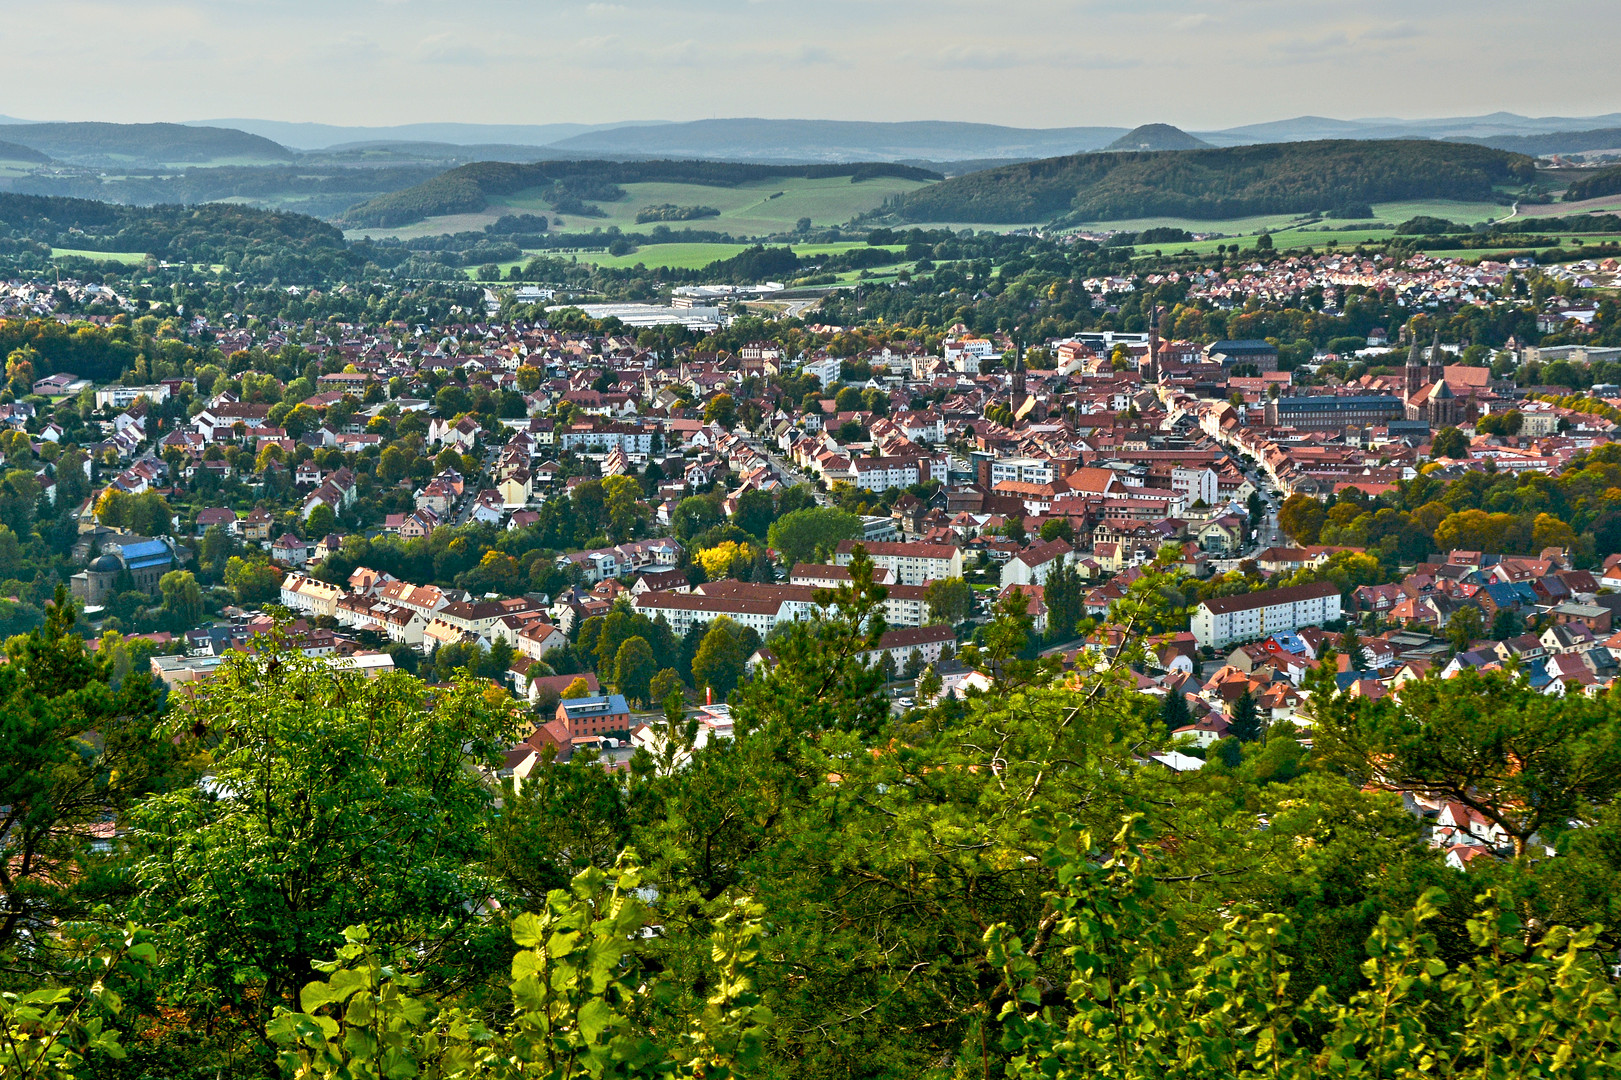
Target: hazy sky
1036 63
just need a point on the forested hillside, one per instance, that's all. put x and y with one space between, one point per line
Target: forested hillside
575 183
211 233
10 151
1594 184
321 191
98 143
1223 183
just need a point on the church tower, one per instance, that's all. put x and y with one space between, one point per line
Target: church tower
1153 344
1018 374
1438 363
1414 372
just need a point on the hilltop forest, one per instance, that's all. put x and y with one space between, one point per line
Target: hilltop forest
1213 184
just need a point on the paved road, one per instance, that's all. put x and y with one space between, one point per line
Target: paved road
785 470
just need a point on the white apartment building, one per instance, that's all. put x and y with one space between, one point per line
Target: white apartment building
122 397
1196 484
966 354
1227 619
911 564
1023 470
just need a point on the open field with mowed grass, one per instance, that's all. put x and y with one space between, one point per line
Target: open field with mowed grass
1387 214
128 258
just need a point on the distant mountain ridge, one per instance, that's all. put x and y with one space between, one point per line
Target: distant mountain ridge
792 141
839 140
312 136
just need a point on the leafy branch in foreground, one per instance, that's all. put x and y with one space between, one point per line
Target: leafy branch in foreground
1513 1009
580 992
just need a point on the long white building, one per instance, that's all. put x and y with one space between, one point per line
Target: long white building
1227 619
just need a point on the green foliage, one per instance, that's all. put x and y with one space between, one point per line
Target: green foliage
720 660
1593 185
811 533
78 751
634 668
333 798
579 1000
62 1032
1524 761
948 600
1536 1005
1231 182
1449 442
182 599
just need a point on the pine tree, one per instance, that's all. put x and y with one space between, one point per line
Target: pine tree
1245 725
1175 712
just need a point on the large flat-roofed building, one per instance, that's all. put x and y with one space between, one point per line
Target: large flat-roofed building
1334 413
1219 622
1230 354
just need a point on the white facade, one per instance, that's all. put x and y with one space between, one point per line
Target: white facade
1220 622
911 564
1023 470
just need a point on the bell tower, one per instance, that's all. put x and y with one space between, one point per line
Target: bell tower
1414 372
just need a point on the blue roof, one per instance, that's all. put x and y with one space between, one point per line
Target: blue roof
141 549
601 705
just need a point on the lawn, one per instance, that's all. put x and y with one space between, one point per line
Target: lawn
128 258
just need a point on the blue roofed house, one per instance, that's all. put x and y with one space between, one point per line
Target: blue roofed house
145 559
596 715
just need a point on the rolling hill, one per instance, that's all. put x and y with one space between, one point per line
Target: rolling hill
575 186
1215 184
144 144
1555 142
1157 137
10 151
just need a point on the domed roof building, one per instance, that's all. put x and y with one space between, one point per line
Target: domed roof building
145 560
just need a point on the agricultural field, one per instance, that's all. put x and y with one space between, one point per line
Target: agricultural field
1607 204
754 209
1291 231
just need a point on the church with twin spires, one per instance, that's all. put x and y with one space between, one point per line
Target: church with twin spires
1428 395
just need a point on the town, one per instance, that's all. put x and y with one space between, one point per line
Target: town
1143 612
497 495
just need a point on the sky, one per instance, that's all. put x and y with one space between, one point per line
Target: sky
1026 63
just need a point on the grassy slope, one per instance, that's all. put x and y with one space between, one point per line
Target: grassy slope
746 210
1287 232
